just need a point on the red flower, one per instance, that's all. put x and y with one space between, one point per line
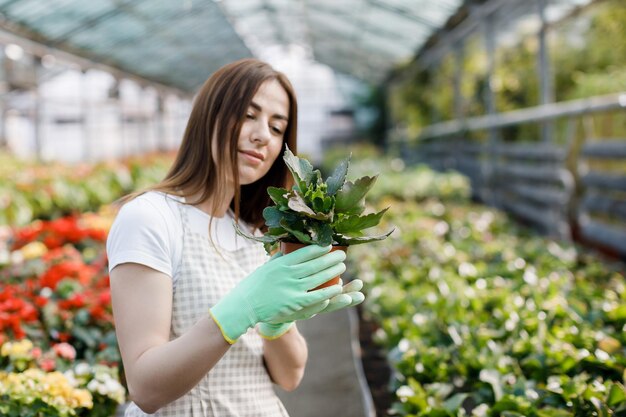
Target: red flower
105 297
36 352
14 312
98 313
67 228
65 350
53 242
47 364
98 235
64 336
56 233
40 301
27 234
68 269
74 302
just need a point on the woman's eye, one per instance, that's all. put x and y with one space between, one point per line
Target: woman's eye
250 116
277 130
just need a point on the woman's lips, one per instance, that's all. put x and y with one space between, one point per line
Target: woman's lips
252 157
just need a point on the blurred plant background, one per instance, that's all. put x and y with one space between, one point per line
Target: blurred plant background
587 58
476 314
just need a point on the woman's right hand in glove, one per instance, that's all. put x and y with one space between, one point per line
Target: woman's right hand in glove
279 287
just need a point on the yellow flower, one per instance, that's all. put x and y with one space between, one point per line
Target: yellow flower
82 398
102 220
34 250
19 349
52 388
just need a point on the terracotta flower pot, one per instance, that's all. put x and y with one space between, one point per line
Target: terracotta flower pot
288 247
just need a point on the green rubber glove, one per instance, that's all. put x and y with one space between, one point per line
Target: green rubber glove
350 296
279 287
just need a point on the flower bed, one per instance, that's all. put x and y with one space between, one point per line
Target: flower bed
482 317
52 383
48 191
58 352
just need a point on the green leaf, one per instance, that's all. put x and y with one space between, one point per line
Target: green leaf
278 195
318 199
553 412
272 216
338 177
316 178
454 403
301 235
315 191
85 336
349 198
321 233
264 239
270 247
276 231
300 168
349 240
493 378
617 395
297 204
351 224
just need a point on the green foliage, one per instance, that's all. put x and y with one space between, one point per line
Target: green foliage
358 151
317 211
587 58
52 190
374 101
482 317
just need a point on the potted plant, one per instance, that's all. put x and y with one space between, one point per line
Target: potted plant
317 211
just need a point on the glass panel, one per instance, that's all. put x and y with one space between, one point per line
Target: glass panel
26 10
588 52
557 9
165 11
365 36
396 23
347 7
241 8
385 47
322 23
437 11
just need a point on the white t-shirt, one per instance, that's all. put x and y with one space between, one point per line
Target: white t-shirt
148 230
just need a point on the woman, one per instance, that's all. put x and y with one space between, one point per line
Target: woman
205 323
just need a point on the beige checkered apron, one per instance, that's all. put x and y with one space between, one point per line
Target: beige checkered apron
238 385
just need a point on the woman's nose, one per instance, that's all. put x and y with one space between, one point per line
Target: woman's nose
261 133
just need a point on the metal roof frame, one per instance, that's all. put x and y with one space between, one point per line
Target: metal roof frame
160 34
173 44
366 20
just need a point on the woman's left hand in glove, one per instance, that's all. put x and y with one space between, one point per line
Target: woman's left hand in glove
350 296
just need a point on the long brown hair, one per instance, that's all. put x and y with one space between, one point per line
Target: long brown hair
218 113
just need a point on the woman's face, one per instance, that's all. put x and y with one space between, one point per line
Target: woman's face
262 132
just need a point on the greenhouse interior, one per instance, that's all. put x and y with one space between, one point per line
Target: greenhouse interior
468 157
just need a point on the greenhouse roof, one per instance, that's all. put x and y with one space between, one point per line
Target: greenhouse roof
179 43
363 38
